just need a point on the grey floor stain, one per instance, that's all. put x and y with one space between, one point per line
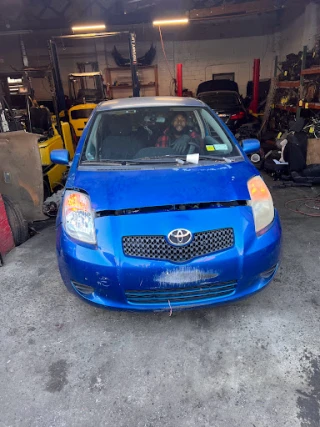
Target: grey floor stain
12 332
41 271
58 376
308 401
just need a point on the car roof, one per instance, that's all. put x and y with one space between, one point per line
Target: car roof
151 101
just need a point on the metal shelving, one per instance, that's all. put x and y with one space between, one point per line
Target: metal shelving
152 85
288 85
289 108
298 84
309 71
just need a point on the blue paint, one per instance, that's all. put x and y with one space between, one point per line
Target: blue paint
250 146
60 157
111 274
134 188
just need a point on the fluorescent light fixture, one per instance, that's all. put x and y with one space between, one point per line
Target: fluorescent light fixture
89 27
13 81
179 21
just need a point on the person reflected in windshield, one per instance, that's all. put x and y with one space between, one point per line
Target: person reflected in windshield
179 136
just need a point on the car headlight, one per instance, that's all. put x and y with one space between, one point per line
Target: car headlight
78 217
261 203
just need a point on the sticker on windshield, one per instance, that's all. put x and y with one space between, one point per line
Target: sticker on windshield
209 147
221 147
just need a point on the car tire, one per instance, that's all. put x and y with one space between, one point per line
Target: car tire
18 225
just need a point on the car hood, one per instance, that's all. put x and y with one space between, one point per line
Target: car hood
227 110
137 188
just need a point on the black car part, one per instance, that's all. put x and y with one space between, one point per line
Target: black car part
291 67
295 155
286 97
216 85
311 91
144 60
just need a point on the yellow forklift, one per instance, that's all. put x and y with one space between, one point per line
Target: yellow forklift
86 90
23 113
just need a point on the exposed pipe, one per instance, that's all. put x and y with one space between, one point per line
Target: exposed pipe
179 80
24 53
59 101
134 65
256 80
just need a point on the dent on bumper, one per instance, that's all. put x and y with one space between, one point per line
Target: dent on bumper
88 266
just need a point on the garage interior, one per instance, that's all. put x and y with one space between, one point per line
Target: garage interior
64 363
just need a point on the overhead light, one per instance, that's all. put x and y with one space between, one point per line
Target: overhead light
13 81
179 21
89 27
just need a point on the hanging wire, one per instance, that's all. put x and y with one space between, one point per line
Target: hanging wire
172 85
164 53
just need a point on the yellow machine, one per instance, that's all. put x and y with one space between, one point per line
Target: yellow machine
53 174
86 90
78 116
19 97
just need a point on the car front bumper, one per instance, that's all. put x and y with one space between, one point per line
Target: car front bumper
143 284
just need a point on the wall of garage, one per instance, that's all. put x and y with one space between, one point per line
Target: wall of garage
225 47
200 58
10 56
299 31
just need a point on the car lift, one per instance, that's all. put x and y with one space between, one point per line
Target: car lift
54 60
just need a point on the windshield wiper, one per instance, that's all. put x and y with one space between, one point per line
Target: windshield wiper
145 161
220 158
169 158
183 160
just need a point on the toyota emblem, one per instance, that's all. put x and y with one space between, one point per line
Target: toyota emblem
179 237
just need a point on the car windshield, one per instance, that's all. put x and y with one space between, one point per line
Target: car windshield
156 133
221 100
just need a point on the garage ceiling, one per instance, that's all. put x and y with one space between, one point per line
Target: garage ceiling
53 14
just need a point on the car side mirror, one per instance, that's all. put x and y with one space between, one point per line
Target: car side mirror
60 157
250 146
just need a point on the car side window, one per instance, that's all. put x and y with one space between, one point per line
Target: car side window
215 134
91 149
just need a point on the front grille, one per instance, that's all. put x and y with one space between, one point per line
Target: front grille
83 289
157 247
181 295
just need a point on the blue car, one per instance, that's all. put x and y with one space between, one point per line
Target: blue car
163 211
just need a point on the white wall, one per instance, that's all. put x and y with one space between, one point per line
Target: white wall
202 58
301 31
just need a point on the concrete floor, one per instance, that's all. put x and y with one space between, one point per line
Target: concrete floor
254 363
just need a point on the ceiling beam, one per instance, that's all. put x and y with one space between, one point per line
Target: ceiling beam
238 9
